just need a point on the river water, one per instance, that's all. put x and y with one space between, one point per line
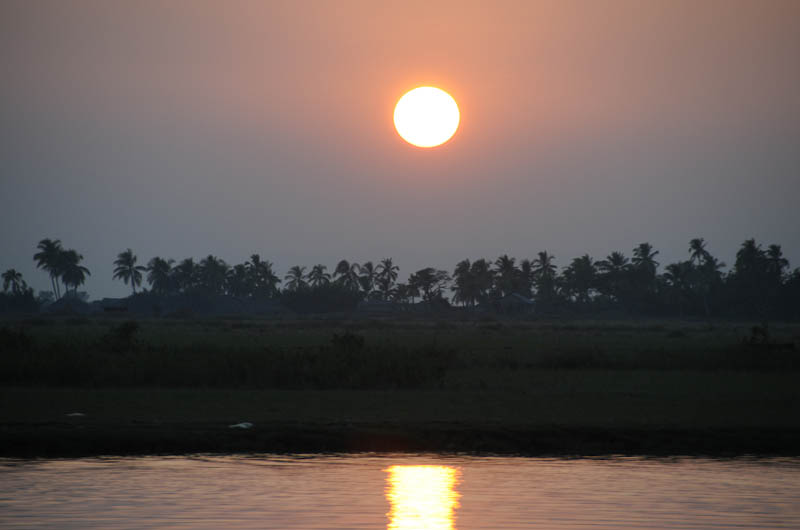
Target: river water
398 492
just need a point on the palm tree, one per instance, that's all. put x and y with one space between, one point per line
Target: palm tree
644 275
73 273
48 259
430 282
296 278
613 275
679 277
403 293
750 277
643 259
544 277
212 274
367 278
318 276
482 277
184 275
263 277
463 286
580 278
506 275
706 275
347 274
473 282
750 259
697 250
615 263
776 263
238 282
127 270
544 267
526 277
14 279
159 275
387 276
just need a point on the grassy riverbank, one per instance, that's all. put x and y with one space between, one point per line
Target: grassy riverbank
504 387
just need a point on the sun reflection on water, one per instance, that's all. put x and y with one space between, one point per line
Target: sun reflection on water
422 497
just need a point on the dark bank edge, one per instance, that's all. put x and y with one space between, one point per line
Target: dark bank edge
42 440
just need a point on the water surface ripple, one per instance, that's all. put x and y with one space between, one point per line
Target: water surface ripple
398 491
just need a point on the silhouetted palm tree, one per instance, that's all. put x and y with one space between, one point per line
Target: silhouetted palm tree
544 267
580 278
404 294
127 270
697 250
613 275
238 281
73 273
776 263
159 275
296 278
482 278
317 276
347 274
367 278
643 259
48 259
430 282
544 276
525 286
750 278
212 274
706 273
184 275
473 282
506 275
13 279
263 277
644 275
750 259
387 276
615 263
679 277
463 287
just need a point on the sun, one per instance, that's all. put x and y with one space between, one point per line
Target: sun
426 116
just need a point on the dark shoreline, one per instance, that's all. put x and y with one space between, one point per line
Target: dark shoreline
73 439
510 388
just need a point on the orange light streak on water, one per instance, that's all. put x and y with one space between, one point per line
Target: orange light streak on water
422 497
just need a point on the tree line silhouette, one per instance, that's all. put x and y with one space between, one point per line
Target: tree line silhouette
759 284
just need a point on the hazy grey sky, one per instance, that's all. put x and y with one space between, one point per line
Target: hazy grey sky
183 128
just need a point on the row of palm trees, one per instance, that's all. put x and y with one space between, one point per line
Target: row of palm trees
759 279
254 278
374 280
758 282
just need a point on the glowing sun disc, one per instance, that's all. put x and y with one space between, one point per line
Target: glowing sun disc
426 116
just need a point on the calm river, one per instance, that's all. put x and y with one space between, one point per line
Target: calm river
398 492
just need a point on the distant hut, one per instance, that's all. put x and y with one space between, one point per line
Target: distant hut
114 305
67 306
515 304
377 308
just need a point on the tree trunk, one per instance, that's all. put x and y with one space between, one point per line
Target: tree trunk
53 282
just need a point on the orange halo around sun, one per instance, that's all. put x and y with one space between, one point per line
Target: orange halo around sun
426 116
